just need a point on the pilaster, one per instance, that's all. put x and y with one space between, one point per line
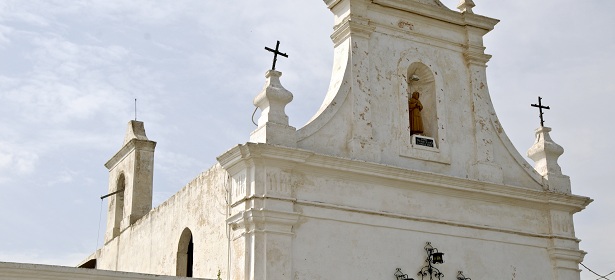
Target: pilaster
563 247
267 236
262 213
485 168
565 258
353 28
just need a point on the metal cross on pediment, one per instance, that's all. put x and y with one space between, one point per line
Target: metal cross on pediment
540 107
275 54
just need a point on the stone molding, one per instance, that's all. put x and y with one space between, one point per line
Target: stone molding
264 220
352 25
437 183
331 3
476 57
440 13
431 221
132 145
265 237
413 35
566 257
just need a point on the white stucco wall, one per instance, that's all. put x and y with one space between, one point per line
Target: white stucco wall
370 229
343 218
151 244
365 116
352 197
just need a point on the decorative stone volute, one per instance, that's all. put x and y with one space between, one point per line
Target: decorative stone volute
273 125
465 6
545 153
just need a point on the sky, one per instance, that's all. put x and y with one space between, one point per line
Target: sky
70 72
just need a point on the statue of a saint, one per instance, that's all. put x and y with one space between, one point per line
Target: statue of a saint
414 108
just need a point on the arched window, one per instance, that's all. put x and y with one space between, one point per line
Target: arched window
119 204
185 254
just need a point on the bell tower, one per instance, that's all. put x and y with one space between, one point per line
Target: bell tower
131 172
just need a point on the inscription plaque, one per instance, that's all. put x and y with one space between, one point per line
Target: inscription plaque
427 142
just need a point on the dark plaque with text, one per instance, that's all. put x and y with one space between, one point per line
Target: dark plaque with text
424 142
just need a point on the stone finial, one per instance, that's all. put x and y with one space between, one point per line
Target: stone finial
273 125
545 153
272 100
465 6
135 130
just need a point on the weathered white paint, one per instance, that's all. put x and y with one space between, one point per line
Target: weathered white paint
348 196
131 174
353 219
150 245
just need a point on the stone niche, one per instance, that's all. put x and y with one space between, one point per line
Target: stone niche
422 76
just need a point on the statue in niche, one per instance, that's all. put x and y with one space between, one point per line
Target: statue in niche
414 110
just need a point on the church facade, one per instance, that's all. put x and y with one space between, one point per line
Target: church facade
405 160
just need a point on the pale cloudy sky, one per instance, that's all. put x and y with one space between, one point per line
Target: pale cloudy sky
70 71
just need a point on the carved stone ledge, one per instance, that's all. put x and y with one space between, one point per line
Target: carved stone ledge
356 26
264 220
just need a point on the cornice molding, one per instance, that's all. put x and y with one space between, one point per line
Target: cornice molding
454 224
132 145
440 13
264 220
331 3
351 25
422 38
476 58
406 178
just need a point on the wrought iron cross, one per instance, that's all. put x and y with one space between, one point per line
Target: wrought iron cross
275 54
540 107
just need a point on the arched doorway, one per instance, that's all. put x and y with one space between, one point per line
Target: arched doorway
185 254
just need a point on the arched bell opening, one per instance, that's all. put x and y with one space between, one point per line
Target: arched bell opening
118 200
